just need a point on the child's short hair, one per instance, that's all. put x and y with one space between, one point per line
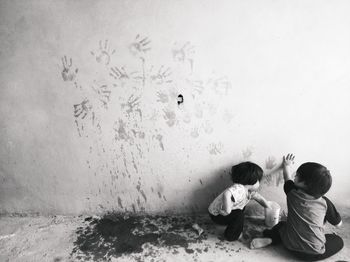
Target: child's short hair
246 173
316 177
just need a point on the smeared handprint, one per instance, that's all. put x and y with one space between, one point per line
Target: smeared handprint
184 53
139 46
247 153
159 137
221 85
103 93
68 74
162 97
196 85
170 117
207 127
195 132
215 149
270 162
132 105
81 110
161 76
104 53
121 132
120 73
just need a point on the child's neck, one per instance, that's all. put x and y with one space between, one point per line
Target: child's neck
249 188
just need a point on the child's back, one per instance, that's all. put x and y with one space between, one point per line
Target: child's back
304 230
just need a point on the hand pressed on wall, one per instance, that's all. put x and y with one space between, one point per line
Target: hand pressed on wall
68 74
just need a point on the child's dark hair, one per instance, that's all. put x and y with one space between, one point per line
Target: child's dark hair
246 173
316 177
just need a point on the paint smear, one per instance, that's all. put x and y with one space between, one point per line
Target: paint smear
112 236
170 117
120 202
159 137
247 153
215 149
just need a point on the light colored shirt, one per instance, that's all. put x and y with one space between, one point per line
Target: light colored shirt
240 195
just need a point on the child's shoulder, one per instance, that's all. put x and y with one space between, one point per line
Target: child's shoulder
236 188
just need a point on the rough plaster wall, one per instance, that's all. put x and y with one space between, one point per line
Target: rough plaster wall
89 113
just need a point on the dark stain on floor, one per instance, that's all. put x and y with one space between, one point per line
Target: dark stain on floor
116 235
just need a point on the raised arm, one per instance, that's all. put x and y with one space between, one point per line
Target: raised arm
287 164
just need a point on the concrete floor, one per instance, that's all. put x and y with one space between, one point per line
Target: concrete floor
145 238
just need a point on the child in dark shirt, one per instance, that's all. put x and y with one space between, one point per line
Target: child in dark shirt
308 210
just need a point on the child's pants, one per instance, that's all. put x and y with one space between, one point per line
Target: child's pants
334 244
234 222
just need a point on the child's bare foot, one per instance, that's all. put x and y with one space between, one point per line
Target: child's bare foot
260 242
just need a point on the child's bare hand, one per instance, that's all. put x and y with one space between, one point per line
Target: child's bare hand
288 160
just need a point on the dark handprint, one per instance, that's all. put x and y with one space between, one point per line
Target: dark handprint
68 74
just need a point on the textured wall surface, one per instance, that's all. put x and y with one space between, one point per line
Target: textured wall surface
89 119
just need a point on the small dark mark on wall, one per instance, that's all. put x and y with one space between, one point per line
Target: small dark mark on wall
180 99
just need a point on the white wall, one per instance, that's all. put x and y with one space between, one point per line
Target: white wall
259 79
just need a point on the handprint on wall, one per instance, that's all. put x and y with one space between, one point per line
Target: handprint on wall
270 162
162 97
247 153
220 85
104 53
207 127
121 132
170 117
197 85
215 149
82 110
161 76
103 94
195 132
159 137
132 105
120 73
140 46
184 54
68 73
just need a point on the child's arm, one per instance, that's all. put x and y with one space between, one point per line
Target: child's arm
332 215
261 200
287 163
226 210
